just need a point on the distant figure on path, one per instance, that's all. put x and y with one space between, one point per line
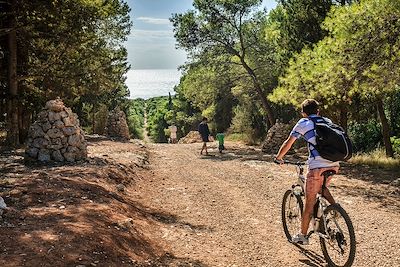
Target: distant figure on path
204 133
220 137
173 129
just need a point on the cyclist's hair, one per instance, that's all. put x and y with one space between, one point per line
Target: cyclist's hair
204 119
310 106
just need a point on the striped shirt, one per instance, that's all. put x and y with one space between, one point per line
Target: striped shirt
305 129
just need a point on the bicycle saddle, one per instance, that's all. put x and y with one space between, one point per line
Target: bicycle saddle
328 173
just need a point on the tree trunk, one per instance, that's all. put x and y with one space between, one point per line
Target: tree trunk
25 118
93 120
385 129
12 111
343 117
266 105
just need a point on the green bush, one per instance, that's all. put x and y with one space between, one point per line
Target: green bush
135 118
365 136
396 144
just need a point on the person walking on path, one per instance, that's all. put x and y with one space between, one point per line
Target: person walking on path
316 164
204 133
173 129
220 137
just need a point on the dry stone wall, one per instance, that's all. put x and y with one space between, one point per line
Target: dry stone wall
117 127
276 135
56 135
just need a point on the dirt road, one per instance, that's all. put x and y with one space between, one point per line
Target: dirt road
165 205
224 210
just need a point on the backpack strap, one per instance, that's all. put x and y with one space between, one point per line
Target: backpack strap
314 121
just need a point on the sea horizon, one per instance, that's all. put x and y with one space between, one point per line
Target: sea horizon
149 83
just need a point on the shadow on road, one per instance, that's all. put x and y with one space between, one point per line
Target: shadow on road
73 214
313 259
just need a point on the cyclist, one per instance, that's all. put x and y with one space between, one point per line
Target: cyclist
316 165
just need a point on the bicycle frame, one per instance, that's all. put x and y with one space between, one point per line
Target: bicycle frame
298 189
325 221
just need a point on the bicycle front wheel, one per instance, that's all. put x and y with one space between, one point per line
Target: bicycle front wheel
292 209
339 248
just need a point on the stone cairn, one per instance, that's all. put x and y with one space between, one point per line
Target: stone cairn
56 135
276 135
191 137
117 127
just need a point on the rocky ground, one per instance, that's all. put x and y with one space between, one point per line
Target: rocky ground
165 205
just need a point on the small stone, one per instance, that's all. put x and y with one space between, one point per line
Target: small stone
46 126
54 116
70 130
36 131
63 114
74 140
2 204
32 152
68 121
70 157
55 133
57 156
40 143
120 187
55 105
44 155
395 182
42 116
59 124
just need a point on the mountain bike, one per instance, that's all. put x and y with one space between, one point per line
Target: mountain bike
330 222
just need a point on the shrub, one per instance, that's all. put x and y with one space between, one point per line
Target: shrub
396 144
365 135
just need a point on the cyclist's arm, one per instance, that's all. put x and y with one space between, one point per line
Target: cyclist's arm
285 147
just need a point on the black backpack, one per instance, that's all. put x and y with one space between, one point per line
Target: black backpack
333 143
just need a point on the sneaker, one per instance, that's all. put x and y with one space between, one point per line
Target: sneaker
300 239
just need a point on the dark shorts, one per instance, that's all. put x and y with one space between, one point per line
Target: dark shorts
205 138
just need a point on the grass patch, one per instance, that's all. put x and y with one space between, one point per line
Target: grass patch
376 158
235 137
241 137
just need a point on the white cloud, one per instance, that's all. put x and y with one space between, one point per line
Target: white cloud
151 37
152 33
156 21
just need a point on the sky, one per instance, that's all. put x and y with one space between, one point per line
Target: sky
151 44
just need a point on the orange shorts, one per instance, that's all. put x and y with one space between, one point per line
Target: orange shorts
315 180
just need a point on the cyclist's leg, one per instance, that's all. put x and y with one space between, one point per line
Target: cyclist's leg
325 191
308 211
313 186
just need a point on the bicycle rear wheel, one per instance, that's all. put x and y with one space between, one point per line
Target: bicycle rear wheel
292 209
339 248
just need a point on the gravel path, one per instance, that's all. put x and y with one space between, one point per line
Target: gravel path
224 210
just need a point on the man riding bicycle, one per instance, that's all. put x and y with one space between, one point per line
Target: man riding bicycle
316 165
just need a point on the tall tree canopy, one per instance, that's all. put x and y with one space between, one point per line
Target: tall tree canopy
360 59
225 27
70 49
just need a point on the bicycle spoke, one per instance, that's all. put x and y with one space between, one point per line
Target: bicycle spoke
339 246
291 213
